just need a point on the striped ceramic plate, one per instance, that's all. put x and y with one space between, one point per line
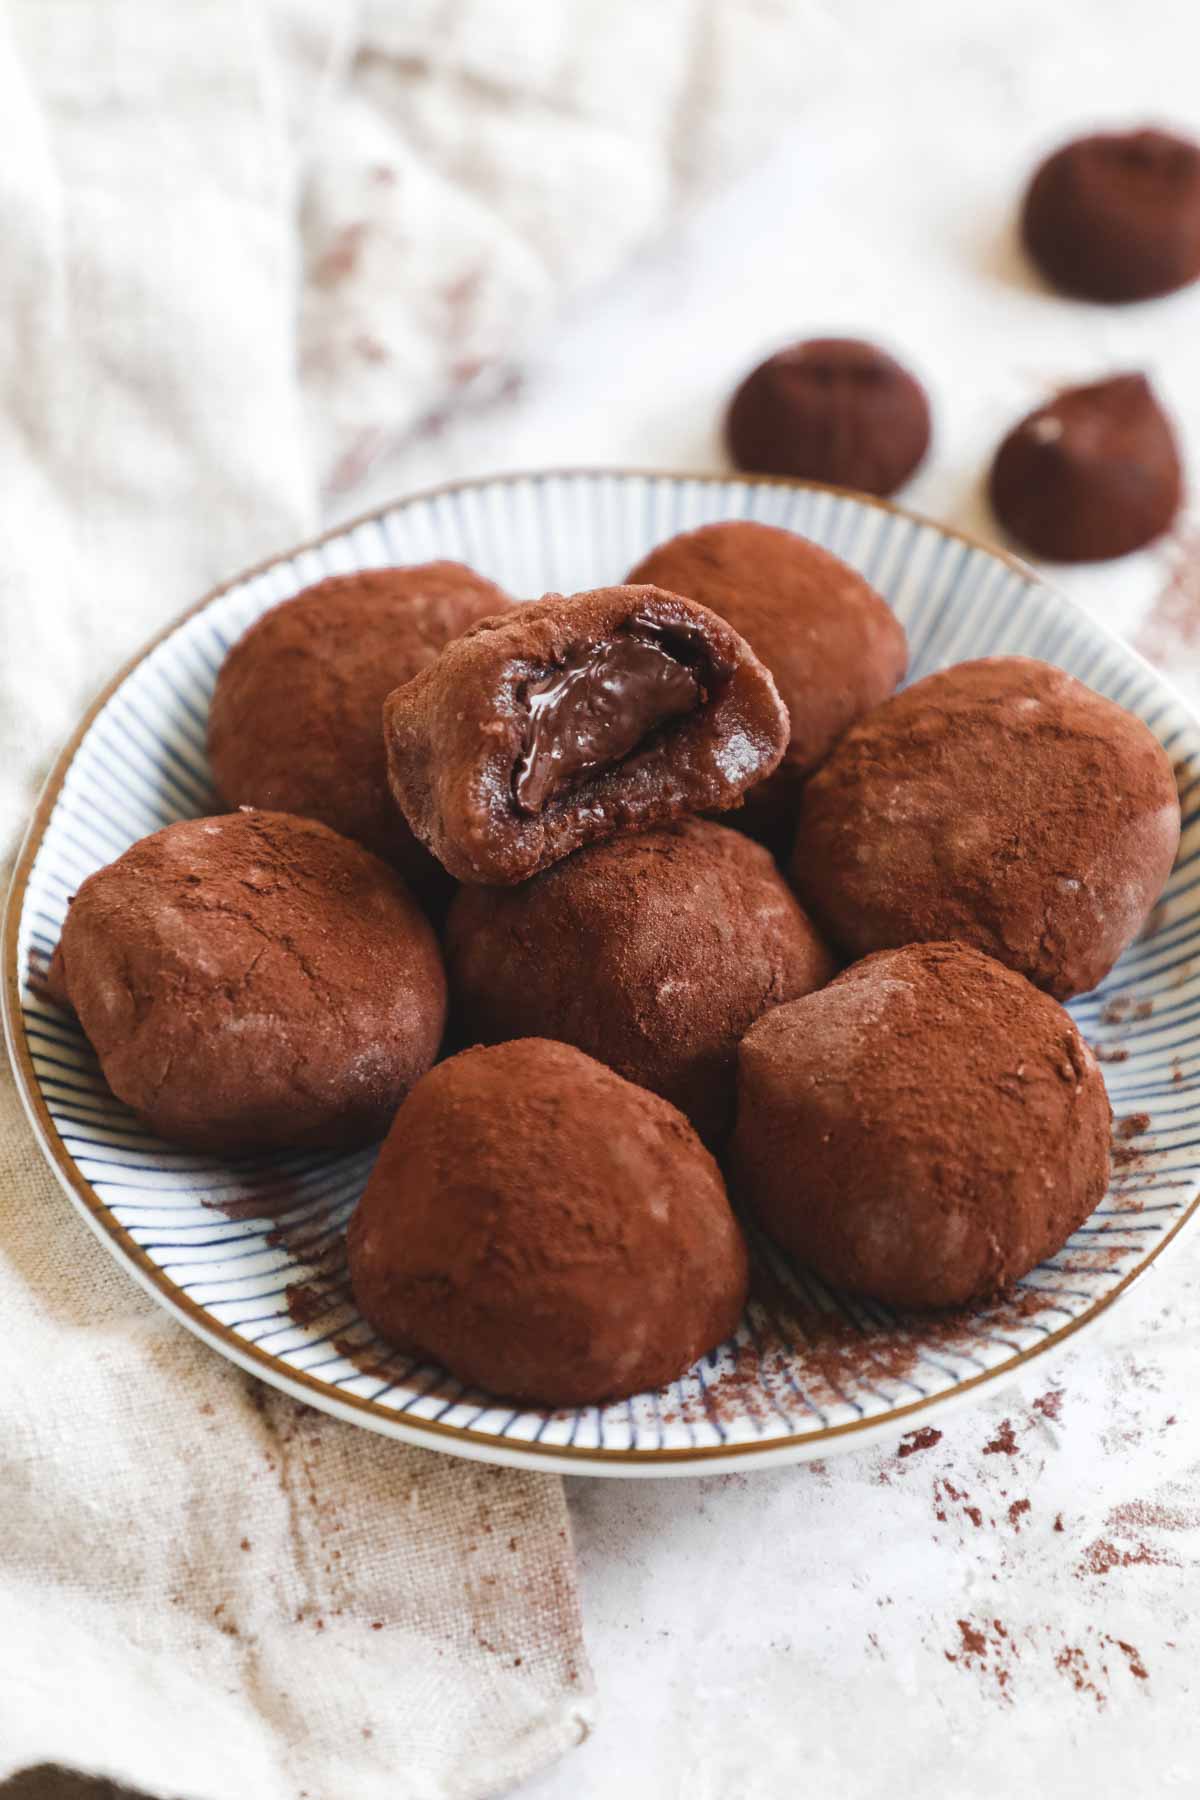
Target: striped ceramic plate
248 1252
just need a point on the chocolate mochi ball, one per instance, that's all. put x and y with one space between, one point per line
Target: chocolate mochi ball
255 982
546 1230
834 646
1116 216
296 722
654 953
1094 473
570 719
1002 803
831 409
925 1130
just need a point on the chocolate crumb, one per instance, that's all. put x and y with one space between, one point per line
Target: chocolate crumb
924 1439
1004 1443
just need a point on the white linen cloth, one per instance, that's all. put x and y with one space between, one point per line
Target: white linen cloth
206 1590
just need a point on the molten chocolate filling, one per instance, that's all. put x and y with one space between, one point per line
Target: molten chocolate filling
602 701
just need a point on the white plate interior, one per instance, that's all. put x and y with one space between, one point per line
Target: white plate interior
249 1251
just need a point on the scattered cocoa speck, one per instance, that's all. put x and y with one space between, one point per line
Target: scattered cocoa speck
1134 1125
512 1543
1115 1012
1004 1443
1109 1053
924 1439
1072 1663
1136 1665
1170 1419
206 1407
517 1661
367 1732
1015 1511
973 1642
973 1513
245 1544
371 349
318 1624
1058 1522
1049 1404
376 1624
341 257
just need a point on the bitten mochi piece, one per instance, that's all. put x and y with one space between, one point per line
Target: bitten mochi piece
1002 803
546 1230
255 982
573 718
925 1130
296 722
833 645
653 952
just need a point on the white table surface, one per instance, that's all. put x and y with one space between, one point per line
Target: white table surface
888 1624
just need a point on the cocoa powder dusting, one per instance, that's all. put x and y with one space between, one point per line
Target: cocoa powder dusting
1102 1557
1171 629
306 1302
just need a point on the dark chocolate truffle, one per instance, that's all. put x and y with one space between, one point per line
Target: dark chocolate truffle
925 1130
255 982
296 722
546 1230
652 952
1117 216
831 409
571 719
835 648
1094 473
1000 802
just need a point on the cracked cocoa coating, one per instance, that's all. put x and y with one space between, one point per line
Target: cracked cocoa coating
296 722
831 409
653 952
834 646
1000 802
546 1230
1116 216
254 981
925 1130
456 734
